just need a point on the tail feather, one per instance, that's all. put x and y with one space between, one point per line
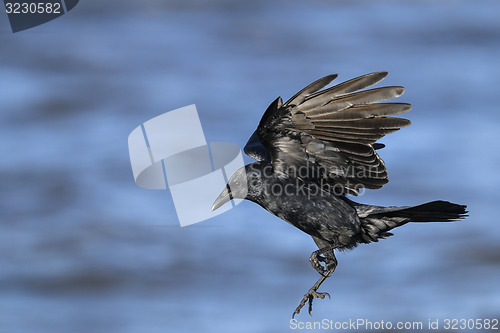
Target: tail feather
377 223
435 211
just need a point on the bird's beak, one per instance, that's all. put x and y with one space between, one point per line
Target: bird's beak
224 197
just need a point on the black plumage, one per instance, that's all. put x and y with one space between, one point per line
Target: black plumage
313 150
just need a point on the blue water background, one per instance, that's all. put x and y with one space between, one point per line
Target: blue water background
83 249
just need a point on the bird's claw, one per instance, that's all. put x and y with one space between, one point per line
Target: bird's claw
330 265
309 297
315 262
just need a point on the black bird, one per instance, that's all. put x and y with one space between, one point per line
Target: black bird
313 150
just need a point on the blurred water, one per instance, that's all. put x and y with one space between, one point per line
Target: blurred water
82 249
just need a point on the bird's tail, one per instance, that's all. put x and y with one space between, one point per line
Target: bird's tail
376 224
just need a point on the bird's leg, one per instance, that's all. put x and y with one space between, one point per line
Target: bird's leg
315 261
313 292
328 259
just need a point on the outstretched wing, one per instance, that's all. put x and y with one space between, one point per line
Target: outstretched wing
330 135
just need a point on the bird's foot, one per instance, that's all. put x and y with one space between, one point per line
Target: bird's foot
309 297
315 261
330 266
330 261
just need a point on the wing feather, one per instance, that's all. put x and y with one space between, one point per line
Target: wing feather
299 97
346 101
332 132
362 111
352 85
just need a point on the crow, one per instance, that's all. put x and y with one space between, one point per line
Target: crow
317 148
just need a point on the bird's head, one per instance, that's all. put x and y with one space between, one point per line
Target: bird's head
245 183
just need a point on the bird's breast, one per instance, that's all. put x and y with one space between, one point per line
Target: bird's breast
312 210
